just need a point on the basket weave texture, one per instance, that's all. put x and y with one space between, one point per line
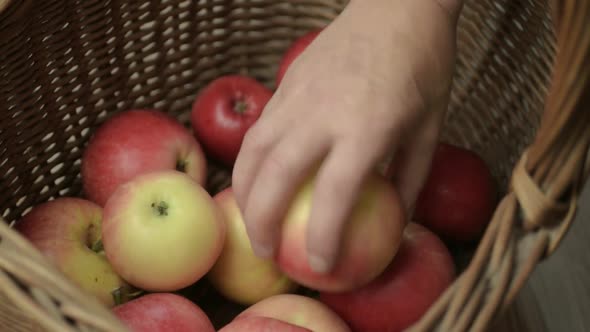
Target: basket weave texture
520 99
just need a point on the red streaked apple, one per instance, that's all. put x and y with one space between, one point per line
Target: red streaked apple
239 274
224 111
66 230
136 142
163 312
297 310
370 240
162 231
421 271
459 197
261 324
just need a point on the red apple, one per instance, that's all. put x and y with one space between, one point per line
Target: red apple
459 196
371 238
66 230
162 231
163 312
238 273
224 111
418 275
136 142
297 310
296 48
261 324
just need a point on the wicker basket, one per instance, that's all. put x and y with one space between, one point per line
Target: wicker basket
520 99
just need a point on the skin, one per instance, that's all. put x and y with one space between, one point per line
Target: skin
388 79
158 251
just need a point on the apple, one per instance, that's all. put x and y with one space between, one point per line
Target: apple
459 196
163 312
421 271
297 310
261 324
238 273
66 230
136 142
223 112
371 238
162 231
294 50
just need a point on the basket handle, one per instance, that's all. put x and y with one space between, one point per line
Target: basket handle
552 171
43 295
545 188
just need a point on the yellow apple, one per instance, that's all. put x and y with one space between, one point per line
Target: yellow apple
239 274
162 231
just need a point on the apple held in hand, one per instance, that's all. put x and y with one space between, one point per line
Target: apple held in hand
418 275
136 142
162 231
459 196
163 312
66 230
296 310
224 111
238 273
296 48
370 240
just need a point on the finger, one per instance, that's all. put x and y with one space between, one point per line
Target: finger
280 175
336 191
412 170
257 143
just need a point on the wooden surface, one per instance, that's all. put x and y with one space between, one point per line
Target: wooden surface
557 295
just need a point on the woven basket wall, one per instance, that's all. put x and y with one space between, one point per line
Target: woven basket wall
520 99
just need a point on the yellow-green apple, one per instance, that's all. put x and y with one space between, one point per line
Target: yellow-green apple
162 231
297 310
66 230
370 240
163 312
136 142
239 274
421 271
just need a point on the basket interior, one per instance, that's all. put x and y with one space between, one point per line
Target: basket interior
66 66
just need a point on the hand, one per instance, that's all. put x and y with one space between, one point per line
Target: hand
376 80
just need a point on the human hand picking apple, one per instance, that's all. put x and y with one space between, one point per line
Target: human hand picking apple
372 82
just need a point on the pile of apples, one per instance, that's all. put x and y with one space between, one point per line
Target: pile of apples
146 227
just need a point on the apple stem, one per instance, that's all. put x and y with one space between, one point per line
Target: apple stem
124 294
97 247
240 106
160 208
181 166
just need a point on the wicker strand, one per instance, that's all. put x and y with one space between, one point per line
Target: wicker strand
81 61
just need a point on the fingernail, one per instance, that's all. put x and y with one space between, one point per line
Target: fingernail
319 264
262 251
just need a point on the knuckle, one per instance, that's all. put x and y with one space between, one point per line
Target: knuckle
255 140
277 165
